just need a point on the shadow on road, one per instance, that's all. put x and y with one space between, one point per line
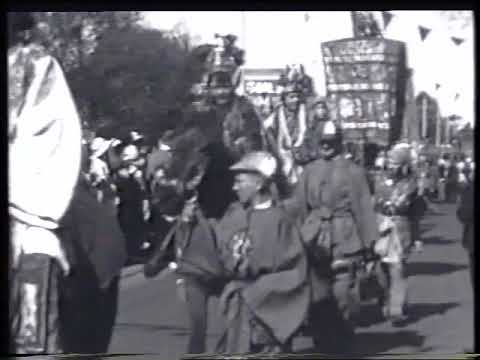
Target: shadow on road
370 314
374 343
418 311
432 268
173 329
426 227
437 240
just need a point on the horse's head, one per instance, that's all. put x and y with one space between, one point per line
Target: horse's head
176 180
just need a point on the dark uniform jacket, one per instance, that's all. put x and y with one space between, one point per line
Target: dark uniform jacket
339 188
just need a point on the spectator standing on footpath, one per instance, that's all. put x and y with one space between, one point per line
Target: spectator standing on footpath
90 294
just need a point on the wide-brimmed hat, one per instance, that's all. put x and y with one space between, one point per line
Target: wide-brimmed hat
400 155
260 162
100 146
135 136
130 153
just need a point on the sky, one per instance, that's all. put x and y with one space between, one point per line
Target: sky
273 39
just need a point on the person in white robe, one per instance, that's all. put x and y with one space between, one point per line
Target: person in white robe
44 138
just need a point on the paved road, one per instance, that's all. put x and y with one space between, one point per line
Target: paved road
151 320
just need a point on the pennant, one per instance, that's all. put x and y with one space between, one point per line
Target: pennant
387 17
437 86
307 17
424 32
457 41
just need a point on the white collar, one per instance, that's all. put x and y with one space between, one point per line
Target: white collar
169 218
264 205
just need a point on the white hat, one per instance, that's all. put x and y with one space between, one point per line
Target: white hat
136 136
163 146
260 162
99 146
129 153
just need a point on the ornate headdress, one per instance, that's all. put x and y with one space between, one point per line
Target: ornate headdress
222 58
294 79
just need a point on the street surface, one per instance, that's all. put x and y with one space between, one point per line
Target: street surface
151 320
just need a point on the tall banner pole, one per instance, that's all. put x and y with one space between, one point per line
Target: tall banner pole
424 117
447 131
438 128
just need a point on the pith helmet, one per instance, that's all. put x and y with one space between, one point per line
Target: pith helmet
260 162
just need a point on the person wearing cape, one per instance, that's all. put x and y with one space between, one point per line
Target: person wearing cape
267 297
333 206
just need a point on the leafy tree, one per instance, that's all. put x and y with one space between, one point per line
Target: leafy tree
123 76
72 36
137 78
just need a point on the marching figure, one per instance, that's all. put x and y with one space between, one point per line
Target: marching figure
396 199
90 293
234 128
318 116
287 125
44 137
264 258
186 236
339 226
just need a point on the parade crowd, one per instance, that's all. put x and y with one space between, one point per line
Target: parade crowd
264 210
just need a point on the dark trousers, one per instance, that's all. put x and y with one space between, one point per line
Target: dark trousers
88 313
196 294
34 300
333 318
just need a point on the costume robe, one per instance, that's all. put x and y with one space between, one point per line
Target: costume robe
399 200
269 292
288 131
340 187
44 138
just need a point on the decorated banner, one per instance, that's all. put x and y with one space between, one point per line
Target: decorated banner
262 81
364 80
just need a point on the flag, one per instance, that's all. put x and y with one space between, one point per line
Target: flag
457 41
307 17
424 32
387 17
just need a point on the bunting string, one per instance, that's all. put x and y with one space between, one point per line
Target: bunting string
424 31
